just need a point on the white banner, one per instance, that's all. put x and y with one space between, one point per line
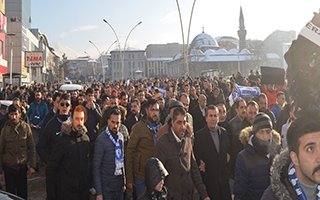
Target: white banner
311 32
34 58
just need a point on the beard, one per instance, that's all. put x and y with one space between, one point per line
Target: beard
154 119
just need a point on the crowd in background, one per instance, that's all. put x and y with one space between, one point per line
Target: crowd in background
98 141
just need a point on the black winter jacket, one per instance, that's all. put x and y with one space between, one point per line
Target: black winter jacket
48 137
67 173
252 169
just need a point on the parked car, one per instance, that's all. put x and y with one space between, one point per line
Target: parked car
4 104
8 196
71 87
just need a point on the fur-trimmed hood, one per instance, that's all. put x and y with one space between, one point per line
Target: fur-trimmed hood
246 133
279 180
66 128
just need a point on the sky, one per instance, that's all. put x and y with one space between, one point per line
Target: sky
72 23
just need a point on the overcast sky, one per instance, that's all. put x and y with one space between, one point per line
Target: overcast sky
72 23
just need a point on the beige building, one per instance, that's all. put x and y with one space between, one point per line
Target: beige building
157 58
131 62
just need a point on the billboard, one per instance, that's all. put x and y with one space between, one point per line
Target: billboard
34 59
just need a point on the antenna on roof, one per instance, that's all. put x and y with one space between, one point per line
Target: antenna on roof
202 29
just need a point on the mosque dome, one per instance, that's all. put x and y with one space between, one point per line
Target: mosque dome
204 42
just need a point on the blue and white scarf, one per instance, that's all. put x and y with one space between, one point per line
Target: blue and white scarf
154 128
119 161
296 184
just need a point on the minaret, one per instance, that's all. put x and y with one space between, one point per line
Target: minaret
242 32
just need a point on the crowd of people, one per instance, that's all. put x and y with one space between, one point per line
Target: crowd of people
160 139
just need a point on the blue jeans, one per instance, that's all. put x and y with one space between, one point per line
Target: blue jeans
139 187
113 195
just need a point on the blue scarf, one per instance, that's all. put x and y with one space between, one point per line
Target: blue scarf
119 161
297 186
154 128
60 120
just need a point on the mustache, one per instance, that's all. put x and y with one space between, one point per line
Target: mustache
316 169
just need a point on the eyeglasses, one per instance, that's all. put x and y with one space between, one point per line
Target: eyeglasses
64 104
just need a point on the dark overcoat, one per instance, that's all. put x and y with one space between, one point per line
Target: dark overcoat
180 182
216 172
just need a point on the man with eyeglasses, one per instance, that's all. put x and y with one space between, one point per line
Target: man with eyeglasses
53 128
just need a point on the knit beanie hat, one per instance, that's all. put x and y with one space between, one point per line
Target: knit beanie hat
261 121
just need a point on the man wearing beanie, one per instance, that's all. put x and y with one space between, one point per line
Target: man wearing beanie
254 161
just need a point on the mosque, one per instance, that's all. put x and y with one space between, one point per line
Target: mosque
210 56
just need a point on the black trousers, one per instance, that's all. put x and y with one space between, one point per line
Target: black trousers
16 181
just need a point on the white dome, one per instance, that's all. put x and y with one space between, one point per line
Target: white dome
233 51
210 52
196 52
245 51
204 41
221 51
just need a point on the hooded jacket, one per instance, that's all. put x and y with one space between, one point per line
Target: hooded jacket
280 186
252 168
154 173
67 173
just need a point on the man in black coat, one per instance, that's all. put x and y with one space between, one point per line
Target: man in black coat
198 113
212 152
67 173
134 115
52 112
253 163
52 130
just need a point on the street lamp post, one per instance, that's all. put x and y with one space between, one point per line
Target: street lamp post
107 57
100 59
11 54
185 50
121 51
125 43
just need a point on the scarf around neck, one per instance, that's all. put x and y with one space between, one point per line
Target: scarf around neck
119 157
297 186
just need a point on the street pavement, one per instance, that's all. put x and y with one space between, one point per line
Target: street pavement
37 185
